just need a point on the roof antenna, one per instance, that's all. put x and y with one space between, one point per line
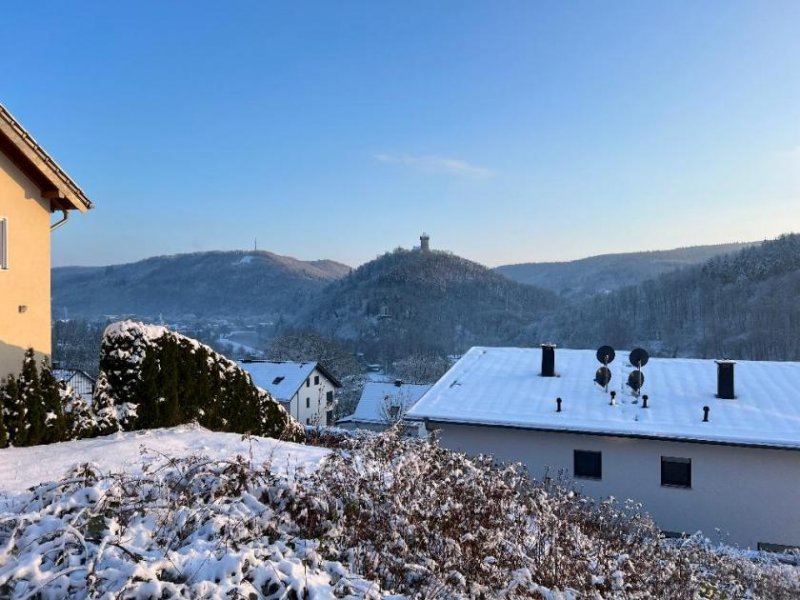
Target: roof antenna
605 355
255 245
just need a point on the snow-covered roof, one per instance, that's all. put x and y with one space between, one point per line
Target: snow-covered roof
281 379
68 374
378 396
503 387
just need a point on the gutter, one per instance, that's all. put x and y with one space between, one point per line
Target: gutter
685 440
61 221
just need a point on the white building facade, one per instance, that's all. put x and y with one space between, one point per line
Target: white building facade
306 390
735 477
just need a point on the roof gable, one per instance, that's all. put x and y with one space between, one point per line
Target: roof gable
502 387
20 147
377 397
283 379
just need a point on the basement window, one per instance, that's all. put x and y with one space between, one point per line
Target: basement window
3 243
676 472
587 464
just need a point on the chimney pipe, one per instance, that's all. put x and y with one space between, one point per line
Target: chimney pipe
558 404
613 395
725 388
705 414
644 401
548 360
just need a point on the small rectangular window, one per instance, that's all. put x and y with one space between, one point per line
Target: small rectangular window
316 379
308 382
676 472
308 402
587 464
329 396
3 243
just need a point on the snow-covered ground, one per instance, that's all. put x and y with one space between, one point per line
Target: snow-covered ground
22 468
152 519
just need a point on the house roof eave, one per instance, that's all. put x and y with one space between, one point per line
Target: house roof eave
34 161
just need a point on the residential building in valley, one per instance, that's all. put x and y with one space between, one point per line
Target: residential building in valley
700 450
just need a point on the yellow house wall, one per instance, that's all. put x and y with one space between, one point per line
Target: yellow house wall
27 280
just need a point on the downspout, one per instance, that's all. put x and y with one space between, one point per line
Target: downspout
61 221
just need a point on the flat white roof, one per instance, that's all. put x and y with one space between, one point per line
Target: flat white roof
281 379
377 397
503 387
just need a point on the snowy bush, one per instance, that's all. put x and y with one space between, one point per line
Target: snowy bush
187 528
152 377
429 522
381 515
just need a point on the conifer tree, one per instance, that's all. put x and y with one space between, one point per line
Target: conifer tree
3 432
170 409
30 392
15 413
146 396
52 393
81 420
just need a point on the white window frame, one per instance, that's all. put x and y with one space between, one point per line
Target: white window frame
3 243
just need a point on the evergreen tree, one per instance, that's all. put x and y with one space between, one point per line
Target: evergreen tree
3 431
30 392
151 377
15 413
53 391
81 420
146 394
170 408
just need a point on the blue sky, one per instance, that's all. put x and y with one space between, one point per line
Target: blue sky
509 131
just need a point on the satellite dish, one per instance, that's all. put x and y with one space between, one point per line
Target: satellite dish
602 376
605 354
636 380
639 357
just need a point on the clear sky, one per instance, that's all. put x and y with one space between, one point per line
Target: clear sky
509 131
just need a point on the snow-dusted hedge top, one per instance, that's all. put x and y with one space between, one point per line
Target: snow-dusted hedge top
153 377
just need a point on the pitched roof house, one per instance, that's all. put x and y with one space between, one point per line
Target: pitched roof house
382 404
307 390
80 382
699 452
32 187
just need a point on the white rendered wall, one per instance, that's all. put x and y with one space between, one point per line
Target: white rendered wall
752 494
316 411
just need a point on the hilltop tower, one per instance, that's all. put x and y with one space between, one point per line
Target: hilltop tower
425 242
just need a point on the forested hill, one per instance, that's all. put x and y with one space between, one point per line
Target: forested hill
206 284
433 301
596 274
743 305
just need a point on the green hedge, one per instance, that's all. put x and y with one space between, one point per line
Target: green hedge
152 377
